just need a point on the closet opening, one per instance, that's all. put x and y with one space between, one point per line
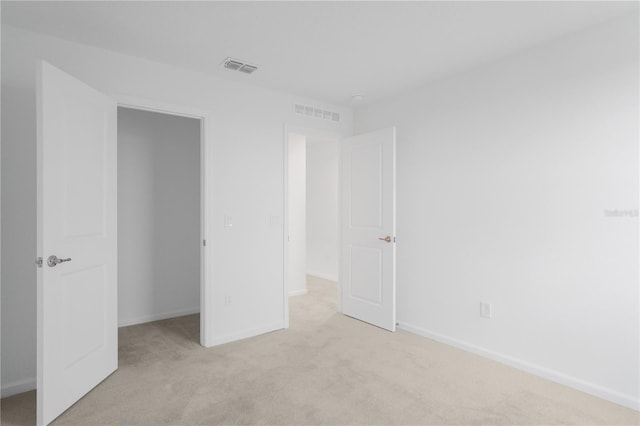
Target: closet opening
159 224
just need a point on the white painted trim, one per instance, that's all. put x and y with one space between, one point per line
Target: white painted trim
18 387
133 102
207 306
555 376
340 278
285 226
158 317
298 292
206 199
250 332
323 276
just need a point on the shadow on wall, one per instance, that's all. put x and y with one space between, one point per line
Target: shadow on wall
18 239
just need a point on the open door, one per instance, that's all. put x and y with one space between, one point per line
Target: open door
77 240
368 228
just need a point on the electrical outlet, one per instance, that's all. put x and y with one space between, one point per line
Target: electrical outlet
274 221
485 310
227 299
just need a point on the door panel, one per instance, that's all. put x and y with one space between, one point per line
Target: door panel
366 279
368 200
366 183
77 208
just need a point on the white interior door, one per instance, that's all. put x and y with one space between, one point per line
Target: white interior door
368 228
77 298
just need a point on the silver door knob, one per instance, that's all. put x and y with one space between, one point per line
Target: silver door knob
387 239
53 260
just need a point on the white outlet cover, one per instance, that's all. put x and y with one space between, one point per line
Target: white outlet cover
275 220
485 310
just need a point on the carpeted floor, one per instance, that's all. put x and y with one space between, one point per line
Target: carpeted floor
326 369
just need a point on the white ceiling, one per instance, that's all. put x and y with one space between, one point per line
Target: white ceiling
324 50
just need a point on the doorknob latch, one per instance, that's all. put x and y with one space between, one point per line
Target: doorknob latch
53 260
387 239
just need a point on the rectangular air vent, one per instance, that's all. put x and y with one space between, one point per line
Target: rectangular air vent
247 69
316 112
238 65
233 65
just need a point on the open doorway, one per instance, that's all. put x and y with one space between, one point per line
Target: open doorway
366 286
159 220
77 149
313 231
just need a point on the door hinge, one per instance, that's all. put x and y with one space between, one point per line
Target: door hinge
204 243
39 262
394 239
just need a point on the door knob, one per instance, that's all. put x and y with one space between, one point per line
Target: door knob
53 260
387 239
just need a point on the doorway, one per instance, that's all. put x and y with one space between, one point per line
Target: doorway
158 216
313 217
366 285
77 157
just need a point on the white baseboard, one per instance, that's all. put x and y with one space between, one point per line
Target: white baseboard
158 317
323 276
245 334
18 387
591 388
298 292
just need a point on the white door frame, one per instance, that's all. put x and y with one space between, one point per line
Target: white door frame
320 134
206 201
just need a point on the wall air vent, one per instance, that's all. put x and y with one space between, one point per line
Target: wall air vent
315 112
237 65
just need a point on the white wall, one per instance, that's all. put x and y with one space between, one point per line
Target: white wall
297 262
158 216
323 232
247 173
504 176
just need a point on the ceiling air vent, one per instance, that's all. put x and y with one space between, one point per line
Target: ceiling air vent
237 65
247 69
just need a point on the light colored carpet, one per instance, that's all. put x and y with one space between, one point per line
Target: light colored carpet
326 369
